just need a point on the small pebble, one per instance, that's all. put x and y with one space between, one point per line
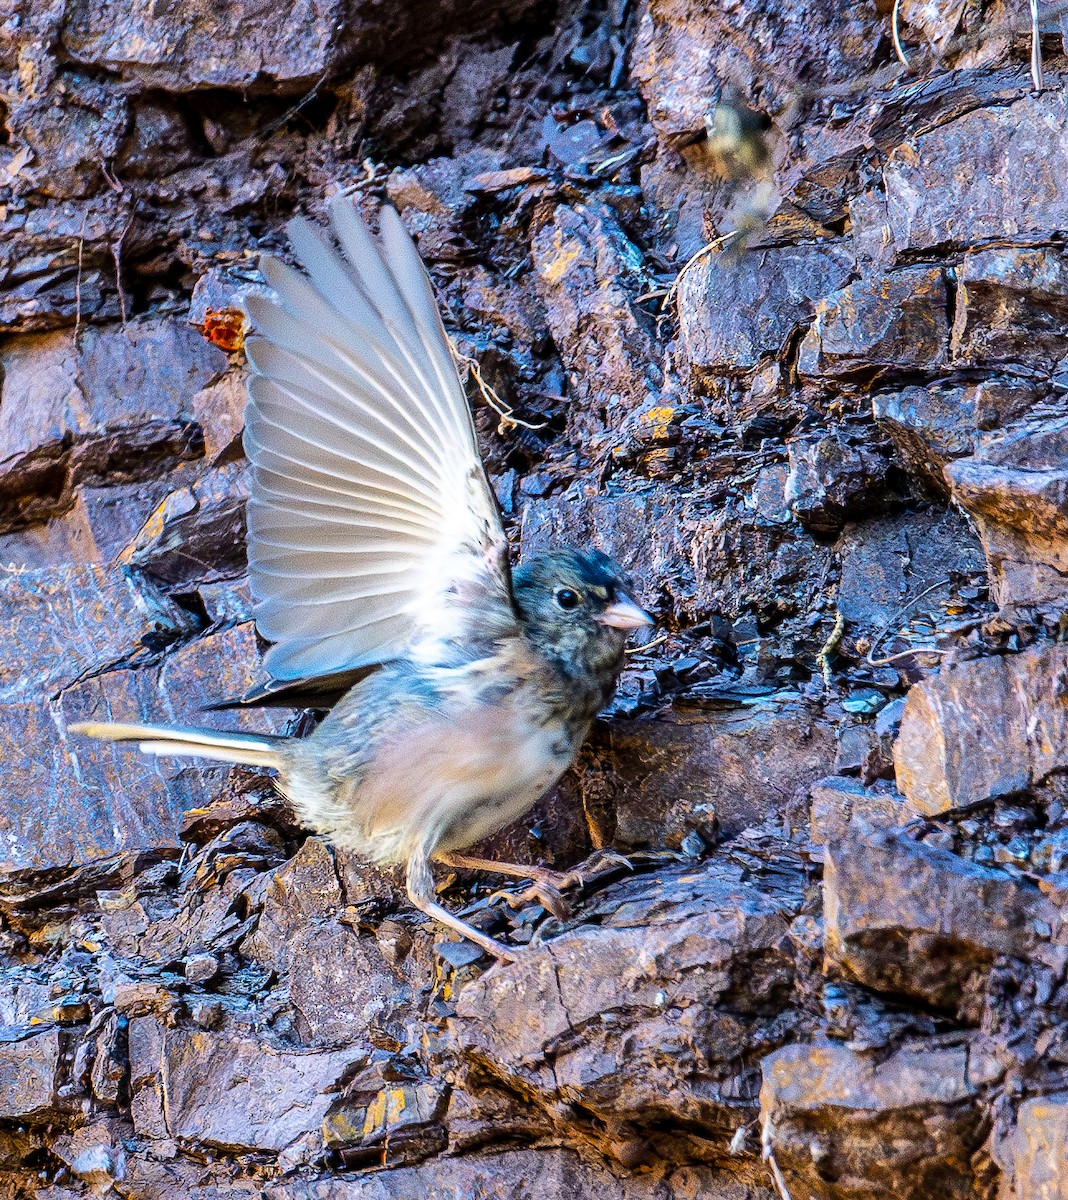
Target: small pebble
208 1014
200 968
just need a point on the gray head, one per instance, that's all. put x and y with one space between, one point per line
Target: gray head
577 606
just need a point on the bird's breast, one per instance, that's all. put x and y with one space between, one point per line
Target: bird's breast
441 775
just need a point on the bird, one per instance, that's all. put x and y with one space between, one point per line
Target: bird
380 573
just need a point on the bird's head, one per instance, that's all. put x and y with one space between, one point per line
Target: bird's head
578 606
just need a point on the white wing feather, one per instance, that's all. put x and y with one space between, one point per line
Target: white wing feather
373 531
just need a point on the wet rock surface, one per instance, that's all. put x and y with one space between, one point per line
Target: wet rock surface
775 322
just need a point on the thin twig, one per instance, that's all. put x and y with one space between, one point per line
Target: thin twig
116 252
892 658
78 281
707 248
657 641
829 647
767 1153
896 617
113 181
308 96
489 394
1036 49
776 1174
895 30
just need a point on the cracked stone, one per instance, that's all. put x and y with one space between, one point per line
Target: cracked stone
831 480
1015 487
226 1089
1039 1148
893 324
1012 306
945 759
691 767
930 934
587 273
678 974
32 1077
959 183
735 312
116 405
930 426
86 800
843 1123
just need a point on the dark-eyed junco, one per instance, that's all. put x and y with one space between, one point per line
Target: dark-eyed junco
379 568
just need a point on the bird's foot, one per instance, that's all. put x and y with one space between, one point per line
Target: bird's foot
546 889
600 864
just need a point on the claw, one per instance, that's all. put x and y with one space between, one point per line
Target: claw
544 894
599 863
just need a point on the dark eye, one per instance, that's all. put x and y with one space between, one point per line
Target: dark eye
566 598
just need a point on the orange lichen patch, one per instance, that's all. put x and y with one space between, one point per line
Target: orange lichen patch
658 420
226 328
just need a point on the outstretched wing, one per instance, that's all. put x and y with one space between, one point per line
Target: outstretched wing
373 530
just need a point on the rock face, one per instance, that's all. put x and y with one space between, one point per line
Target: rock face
945 759
783 328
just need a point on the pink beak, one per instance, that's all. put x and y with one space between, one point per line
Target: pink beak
625 614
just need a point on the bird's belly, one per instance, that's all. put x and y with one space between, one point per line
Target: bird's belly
442 785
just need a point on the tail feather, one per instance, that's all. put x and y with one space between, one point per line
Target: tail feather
248 749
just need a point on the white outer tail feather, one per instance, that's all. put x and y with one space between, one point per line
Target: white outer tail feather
246 749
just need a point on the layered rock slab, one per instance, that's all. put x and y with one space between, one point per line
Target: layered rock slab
946 759
228 1089
933 936
257 45
842 1124
125 801
645 1022
1016 488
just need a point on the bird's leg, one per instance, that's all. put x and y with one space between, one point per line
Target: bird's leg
546 886
420 887
512 870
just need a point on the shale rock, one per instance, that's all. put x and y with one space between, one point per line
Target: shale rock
338 981
841 805
691 769
113 403
588 273
933 425
737 312
946 759
685 51
41 829
258 47
199 999
893 324
229 1090
901 568
842 1123
1012 306
831 480
930 939
549 1174
1016 489
705 966
34 1073
958 184
1039 1145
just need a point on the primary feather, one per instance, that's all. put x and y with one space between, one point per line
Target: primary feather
373 531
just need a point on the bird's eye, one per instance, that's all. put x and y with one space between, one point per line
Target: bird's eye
567 598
